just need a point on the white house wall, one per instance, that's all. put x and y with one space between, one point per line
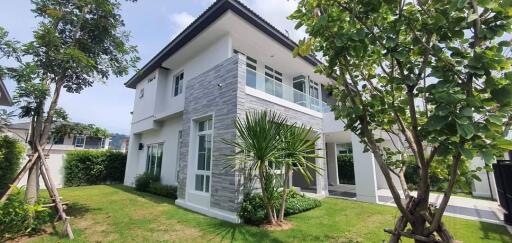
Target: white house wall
168 135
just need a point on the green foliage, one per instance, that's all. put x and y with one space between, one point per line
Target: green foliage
433 78
91 167
346 169
439 175
75 128
163 190
15 216
11 154
144 181
252 210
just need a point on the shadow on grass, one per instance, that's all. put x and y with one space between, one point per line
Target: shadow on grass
495 232
229 232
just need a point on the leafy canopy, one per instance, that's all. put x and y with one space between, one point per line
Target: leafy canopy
419 63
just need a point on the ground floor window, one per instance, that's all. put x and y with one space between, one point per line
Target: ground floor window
203 155
154 159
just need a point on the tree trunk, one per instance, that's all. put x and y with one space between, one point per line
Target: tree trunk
270 211
287 174
32 187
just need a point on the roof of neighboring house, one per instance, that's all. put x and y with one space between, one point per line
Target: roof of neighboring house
202 22
5 98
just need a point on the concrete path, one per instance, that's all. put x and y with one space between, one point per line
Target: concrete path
469 208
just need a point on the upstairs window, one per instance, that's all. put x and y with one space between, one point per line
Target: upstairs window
250 74
178 83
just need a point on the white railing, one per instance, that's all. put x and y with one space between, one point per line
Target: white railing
271 86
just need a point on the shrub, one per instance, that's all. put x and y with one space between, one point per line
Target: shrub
298 203
92 167
143 181
11 153
150 183
252 210
15 216
163 190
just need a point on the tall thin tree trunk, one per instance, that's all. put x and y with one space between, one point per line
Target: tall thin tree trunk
287 174
270 210
32 187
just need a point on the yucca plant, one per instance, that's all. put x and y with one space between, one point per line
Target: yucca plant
297 146
257 143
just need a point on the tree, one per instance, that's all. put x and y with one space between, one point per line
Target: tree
257 144
433 76
265 144
76 43
298 145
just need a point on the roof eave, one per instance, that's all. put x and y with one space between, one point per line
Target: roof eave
201 23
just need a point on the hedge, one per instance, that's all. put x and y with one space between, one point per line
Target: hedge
151 183
11 154
92 167
253 211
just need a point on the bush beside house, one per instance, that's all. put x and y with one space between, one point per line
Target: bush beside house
151 184
253 211
92 167
11 154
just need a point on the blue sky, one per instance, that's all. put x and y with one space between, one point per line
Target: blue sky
153 24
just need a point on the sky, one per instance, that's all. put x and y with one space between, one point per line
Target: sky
153 24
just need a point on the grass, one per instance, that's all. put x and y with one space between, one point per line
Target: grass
118 213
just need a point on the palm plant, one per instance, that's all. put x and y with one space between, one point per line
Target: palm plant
259 142
297 146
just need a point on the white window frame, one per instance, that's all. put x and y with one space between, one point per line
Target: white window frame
82 138
176 91
205 173
149 169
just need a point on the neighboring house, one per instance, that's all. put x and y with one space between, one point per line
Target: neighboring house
227 62
57 148
5 98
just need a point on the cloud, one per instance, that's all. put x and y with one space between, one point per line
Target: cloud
180 21
276 13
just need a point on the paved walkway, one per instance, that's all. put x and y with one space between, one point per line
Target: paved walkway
470 208
463 207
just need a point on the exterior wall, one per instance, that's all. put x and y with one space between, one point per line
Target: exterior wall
211 93
247 101
332 164
56 164
487 186
168 135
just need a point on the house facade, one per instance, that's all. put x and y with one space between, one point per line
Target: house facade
227 62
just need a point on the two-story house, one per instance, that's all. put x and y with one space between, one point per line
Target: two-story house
227 62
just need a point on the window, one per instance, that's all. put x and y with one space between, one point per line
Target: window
154 159
313 89
58 139
204 155
80 141
250 73
141 93
178 84
273 82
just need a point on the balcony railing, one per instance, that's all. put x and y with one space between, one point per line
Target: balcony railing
271 86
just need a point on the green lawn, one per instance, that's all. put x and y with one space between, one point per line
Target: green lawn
117 213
